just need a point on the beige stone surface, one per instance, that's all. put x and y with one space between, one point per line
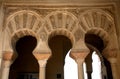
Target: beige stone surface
44 19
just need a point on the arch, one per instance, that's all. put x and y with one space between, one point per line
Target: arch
105 65
25 62
96 18
21 33
97 51
23 19
60 19
61 23
102 34
63 32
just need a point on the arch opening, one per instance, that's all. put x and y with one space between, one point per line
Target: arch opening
60 45
95 41
25 64
96 46
70 68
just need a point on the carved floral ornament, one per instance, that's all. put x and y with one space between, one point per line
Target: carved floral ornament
59 23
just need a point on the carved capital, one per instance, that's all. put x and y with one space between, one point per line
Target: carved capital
42 56
8 55
79 54
110 53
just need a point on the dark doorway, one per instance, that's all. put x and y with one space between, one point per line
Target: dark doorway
60 45
25 65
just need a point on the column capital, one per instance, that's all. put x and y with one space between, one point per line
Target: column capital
8 55
110 53
79 54
42 56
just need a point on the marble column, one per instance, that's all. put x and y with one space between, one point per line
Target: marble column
6 67
42 60
42 67
7 60
79 57
80 68
42 53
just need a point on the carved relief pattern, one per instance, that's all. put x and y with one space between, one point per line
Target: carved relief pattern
24 20
60 19
98 19
72 19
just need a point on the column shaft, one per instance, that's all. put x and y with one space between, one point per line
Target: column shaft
42 71
113 64
5 69
80 68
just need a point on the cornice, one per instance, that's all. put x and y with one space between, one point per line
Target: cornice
58 4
